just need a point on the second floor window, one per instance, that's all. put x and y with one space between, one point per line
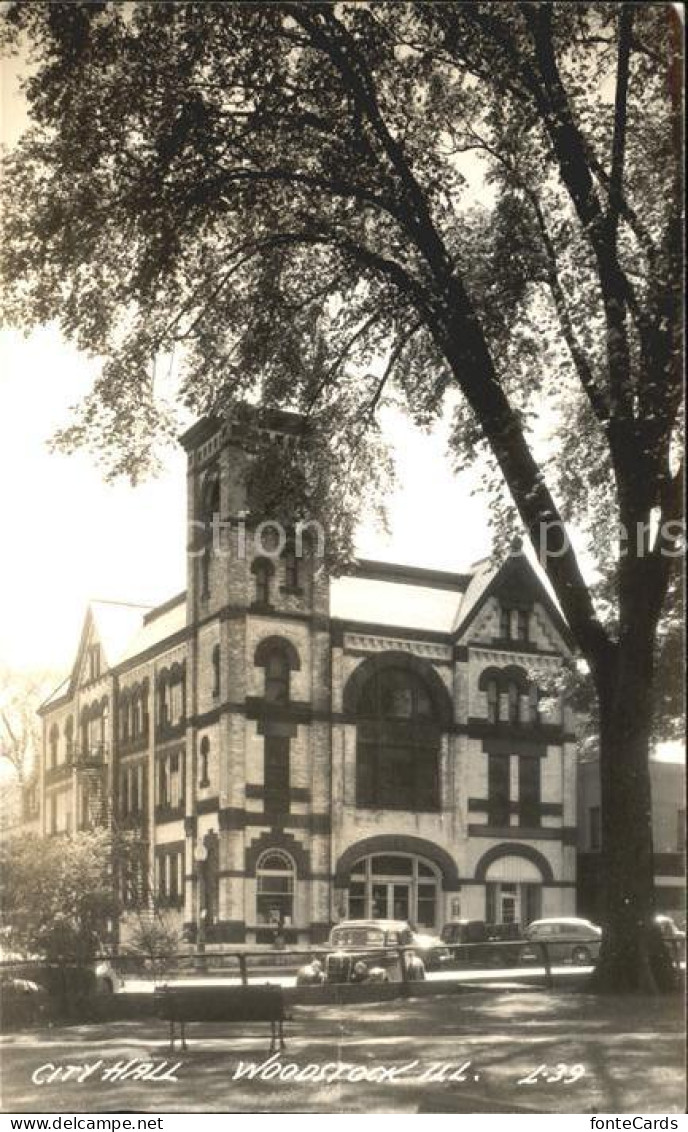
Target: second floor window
276 775
291 570
171 696
132 799
262 570
169 781
498 790
170 886
529 791
203 759
54 744
493 702
398 740
277 678
216 670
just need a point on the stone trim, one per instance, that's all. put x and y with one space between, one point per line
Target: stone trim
527 852
398 843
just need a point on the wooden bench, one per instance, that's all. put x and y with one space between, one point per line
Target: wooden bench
182 1004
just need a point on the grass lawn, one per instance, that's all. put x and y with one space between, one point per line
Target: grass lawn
609 1055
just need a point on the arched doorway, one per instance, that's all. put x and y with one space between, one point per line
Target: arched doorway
513 891
395 886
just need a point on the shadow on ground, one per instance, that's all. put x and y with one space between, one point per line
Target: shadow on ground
631 1052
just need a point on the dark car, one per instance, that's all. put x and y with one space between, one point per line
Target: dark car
471 942
362 951
568 939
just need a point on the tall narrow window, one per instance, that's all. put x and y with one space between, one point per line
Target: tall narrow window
262 570
498 790
69 738
522 624
203 757
492 702
505 624
54 741
277 678
216 671
205 572
529 791
513 702
398 740
276 775
291 570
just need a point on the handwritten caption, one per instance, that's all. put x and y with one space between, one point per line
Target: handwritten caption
278 1071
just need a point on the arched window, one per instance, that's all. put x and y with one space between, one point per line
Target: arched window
514 702
54 741
216 670
492 701
277 677
69 737
262 570
397 756
275 873
124 710
395 887
291 570
137 699
204 755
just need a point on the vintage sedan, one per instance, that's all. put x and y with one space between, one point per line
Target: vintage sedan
364 951
568 939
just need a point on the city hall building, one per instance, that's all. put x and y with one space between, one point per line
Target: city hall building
283 745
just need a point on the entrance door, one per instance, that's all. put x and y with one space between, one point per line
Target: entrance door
509 903
391 900
401 899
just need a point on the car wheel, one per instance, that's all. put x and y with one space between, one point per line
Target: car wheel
581 955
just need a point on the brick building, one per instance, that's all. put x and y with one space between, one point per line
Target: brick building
291 744
668 793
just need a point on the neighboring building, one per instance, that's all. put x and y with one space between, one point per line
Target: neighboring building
294 746
668 789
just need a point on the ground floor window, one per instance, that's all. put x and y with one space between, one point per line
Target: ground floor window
395 887
275 874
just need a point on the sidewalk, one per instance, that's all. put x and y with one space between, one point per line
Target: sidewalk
621 1055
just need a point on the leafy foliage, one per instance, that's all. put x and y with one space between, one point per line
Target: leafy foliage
57 894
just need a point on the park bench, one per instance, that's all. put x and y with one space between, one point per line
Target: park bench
179 1005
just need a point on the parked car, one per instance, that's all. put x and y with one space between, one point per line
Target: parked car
568 939
361 951
471 942
431 950
668 927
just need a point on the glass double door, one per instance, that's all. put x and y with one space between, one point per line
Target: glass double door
391 900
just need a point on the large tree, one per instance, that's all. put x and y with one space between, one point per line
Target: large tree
486 195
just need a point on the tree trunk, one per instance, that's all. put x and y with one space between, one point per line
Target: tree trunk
632 955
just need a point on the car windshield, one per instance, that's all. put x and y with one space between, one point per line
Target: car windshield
359 936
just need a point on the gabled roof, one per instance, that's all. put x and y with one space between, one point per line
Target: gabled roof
123 630
115 624
514 580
